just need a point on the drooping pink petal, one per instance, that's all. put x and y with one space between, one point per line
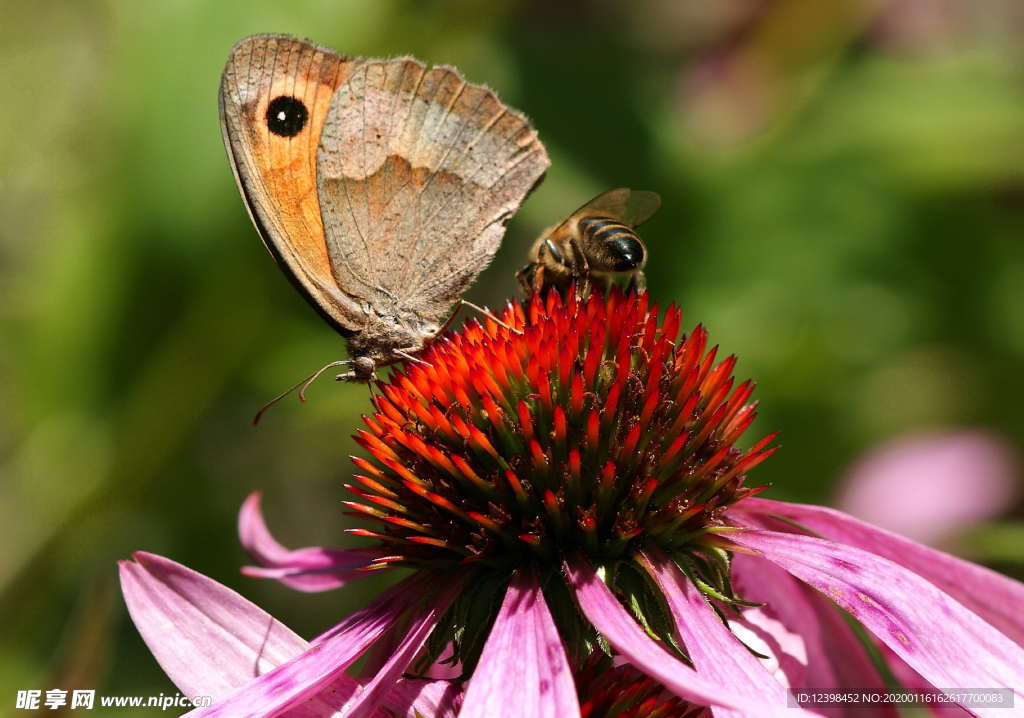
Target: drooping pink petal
784 651
410 697
430 697
305 676
207 638
716 653
946 643
324 703
306 569
210 641
523 663
446 666
952 480
994 597
608 616
835 661
912 681
367 698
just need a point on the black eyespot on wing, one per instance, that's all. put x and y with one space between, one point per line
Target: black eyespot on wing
286 116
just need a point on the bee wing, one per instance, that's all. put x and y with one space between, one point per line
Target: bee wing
641 206
632 207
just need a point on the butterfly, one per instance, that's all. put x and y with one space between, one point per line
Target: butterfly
381 187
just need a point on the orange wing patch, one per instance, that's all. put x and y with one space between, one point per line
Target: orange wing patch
275 93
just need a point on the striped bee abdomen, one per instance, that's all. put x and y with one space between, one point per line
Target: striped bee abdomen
618 244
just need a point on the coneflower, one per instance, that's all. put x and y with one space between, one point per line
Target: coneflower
568 481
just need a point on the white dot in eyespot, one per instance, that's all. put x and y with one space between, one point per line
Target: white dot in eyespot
282 116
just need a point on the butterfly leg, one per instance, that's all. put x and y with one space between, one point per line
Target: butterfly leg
364 370
409 357
489 315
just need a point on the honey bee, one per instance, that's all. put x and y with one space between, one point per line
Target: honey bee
596 241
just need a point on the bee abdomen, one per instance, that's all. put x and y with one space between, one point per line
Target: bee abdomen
623 249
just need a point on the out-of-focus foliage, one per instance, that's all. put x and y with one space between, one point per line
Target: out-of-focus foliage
844 208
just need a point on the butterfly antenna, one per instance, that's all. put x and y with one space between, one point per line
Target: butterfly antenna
490 316
301 385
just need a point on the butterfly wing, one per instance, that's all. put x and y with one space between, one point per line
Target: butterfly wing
274 96
418 171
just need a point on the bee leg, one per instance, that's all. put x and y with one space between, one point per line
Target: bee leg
580 268
582 284
538 281
549 247
527 278
579 260
638 282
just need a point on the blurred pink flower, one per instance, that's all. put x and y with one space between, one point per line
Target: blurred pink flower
929 487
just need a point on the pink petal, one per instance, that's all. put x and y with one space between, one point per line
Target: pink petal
994 597
785 652
608 616
323 704
947 644
834 658
951 480
716 653
368 698
911 680
207 638
305 569
523 663
434 698
410 697
304 677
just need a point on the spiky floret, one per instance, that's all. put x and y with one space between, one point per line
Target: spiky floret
584 425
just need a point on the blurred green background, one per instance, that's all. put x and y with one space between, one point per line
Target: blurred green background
844 208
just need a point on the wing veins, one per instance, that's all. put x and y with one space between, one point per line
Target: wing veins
419 195
351 209
505 173
387 136
462 190
419 135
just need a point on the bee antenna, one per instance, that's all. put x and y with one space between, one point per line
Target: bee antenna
301 385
